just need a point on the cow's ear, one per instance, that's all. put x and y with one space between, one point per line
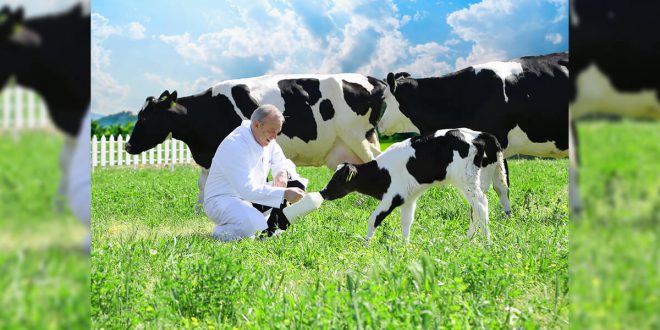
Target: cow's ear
164 95
18 14
173 97
391 82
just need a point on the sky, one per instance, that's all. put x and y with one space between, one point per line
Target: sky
141 48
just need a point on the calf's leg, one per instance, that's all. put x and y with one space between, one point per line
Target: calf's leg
386 206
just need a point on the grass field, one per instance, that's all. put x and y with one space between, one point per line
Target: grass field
615 251
44 275
155 265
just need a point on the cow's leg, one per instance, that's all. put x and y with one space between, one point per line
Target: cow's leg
201 183
359 144
66 154
407 218
573 191
374 144
488 175
478 207
386 206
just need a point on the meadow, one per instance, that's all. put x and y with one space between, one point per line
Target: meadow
155 265
44 273
615 251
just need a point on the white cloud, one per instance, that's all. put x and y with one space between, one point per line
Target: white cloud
479 55
182 87
420 15
108 95
501 29
135 30
46 7
554 38
429 48
405 19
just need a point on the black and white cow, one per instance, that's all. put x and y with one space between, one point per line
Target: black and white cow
523 102
462 157
329 118
50 54
615 68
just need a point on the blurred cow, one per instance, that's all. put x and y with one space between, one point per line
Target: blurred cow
614 65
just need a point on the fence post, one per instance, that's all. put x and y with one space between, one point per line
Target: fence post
159 153
112 150
43 116
30 109
5 108
126 154
103 151
18 99
181 152
95 159
188 155
120 150
173 152
151 156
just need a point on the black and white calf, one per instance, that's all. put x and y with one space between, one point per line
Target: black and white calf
330 119
462 157
615 71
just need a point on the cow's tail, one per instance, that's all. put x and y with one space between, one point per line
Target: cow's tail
501 169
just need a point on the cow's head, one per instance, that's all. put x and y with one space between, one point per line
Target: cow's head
14 38
381 98
14 32
155 122
342 182
394 120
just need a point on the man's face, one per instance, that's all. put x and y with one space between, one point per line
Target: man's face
266 132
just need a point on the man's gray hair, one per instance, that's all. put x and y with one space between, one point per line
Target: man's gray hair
264 111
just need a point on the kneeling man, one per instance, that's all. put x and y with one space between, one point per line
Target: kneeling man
237 197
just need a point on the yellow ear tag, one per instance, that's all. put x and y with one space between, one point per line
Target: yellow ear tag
3 19
172 104
350 176
18 28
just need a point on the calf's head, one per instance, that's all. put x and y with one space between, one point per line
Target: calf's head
342 182
155 122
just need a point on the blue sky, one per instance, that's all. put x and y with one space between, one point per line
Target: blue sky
140 48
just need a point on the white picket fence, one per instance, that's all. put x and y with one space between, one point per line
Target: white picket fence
110 152
22 109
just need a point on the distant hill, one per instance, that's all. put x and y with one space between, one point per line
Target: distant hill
121 118
96 116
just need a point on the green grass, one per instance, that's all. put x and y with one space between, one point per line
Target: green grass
44 275
615 251
155 265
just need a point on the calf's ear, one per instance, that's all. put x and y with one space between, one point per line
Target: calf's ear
391 82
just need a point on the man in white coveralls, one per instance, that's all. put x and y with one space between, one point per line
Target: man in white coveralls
237 197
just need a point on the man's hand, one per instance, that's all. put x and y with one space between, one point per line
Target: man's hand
293 194
280 179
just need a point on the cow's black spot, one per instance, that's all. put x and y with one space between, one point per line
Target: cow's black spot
376 99
357 97
327 111
434 154
371 136
396 202
244 101
299 96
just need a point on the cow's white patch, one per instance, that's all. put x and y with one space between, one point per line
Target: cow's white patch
519 143
597 95
503 70
564 70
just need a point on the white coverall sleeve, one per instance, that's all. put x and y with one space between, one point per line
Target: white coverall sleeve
240 176
278 162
